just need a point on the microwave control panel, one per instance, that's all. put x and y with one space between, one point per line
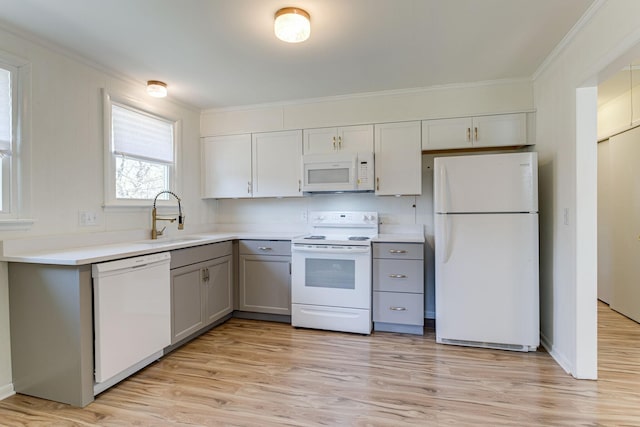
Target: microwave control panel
365 171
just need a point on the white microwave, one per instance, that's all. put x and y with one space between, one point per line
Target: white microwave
337 172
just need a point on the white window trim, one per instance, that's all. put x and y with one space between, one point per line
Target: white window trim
110 200
18 217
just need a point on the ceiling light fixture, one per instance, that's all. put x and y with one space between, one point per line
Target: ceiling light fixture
156 88
292 25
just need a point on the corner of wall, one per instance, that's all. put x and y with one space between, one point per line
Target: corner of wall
6 386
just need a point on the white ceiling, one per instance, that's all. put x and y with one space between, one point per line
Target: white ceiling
221 53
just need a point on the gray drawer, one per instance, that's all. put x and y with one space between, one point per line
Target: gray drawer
398 250
195 254
265 247
393 307
398 275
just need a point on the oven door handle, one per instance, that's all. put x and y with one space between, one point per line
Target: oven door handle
357 250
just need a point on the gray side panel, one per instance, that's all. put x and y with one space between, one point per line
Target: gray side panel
52 331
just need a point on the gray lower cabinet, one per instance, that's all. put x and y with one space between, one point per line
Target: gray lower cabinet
265 276
201 288
398 287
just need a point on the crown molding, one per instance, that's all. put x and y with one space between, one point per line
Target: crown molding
568 38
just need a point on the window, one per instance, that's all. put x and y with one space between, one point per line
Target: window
141 158
7 109
15 91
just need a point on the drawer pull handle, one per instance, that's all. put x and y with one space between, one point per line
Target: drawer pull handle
398 308
397 251
398 276
264 248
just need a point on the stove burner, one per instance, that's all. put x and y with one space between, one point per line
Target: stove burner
359 238
315 237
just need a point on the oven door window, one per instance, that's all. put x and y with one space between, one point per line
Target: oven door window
330 273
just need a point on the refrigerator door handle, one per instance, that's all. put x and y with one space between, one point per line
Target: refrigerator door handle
447 239
442 194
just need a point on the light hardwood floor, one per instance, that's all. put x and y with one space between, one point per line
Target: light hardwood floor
268 374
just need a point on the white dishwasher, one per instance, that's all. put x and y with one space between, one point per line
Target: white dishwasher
132 315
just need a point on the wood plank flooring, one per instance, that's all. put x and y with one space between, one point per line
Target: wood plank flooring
251 373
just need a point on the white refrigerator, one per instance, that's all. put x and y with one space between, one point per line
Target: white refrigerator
486 251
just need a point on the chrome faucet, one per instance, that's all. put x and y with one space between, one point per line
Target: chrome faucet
154 217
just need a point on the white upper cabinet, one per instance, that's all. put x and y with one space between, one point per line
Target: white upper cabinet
258 165
345 139
469 132
398 159
277 168
226 166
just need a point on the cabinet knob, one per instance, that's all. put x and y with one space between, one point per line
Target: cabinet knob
468 134
398 308
377 183
340 142
334 142
475 133
249 187
398 276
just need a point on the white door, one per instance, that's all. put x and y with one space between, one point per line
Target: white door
356 138
500 130
398 159
443 134
320 141
486 183
625 215
226 166
487 278
277 164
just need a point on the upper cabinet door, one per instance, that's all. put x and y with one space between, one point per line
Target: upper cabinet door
444 134
226 166
356 138
332 140
500 130
277 165
469 132
320 141
398 159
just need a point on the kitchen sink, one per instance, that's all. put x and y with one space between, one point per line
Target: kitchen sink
169 241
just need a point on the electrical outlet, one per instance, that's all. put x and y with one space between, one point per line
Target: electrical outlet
87 218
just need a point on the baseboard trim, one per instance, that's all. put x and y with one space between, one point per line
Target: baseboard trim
6 391
558 357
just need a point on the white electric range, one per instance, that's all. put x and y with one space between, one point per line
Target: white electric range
331 272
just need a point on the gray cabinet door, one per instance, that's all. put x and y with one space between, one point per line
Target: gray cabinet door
186 301
218 289
265 284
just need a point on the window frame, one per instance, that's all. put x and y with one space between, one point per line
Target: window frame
110 156
18 162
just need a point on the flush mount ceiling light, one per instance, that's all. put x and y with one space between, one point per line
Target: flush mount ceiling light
292 25
157 88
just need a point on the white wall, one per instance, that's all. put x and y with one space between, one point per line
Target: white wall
600 47
67 156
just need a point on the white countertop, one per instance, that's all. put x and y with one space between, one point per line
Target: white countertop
93 253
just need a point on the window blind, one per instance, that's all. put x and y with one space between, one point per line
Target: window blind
5 111
140 135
